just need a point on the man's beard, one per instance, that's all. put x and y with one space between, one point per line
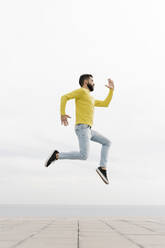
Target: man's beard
91 87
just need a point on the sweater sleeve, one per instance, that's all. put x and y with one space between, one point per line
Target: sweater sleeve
104 103
73 94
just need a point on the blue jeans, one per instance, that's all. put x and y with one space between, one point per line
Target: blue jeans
85 133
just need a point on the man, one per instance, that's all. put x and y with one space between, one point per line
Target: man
85 104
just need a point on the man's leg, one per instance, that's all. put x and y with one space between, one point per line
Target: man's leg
97 137
83 134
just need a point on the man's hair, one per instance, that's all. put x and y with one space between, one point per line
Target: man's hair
83 77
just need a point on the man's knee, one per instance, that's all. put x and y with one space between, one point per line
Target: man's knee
84 156
108 142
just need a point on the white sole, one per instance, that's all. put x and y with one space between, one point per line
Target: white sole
102 176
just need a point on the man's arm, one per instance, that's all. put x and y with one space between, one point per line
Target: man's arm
66 97
104 103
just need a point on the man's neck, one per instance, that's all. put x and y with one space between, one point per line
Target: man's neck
86 88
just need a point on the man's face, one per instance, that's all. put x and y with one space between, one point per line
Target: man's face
90 84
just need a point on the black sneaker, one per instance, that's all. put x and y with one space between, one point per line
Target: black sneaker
52 158
103 174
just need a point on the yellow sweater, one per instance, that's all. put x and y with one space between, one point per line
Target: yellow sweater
85 104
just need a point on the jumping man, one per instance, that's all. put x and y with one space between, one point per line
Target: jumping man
85 104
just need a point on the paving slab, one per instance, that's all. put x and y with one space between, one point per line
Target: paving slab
82 232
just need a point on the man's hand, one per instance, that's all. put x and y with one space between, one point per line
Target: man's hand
64 120
110 84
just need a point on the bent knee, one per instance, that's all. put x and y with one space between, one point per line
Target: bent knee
108 142
84 156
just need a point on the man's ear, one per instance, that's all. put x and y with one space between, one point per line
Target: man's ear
85 81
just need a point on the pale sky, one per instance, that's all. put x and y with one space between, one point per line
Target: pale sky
45 46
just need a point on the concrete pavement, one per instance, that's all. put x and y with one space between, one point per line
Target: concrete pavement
82 232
